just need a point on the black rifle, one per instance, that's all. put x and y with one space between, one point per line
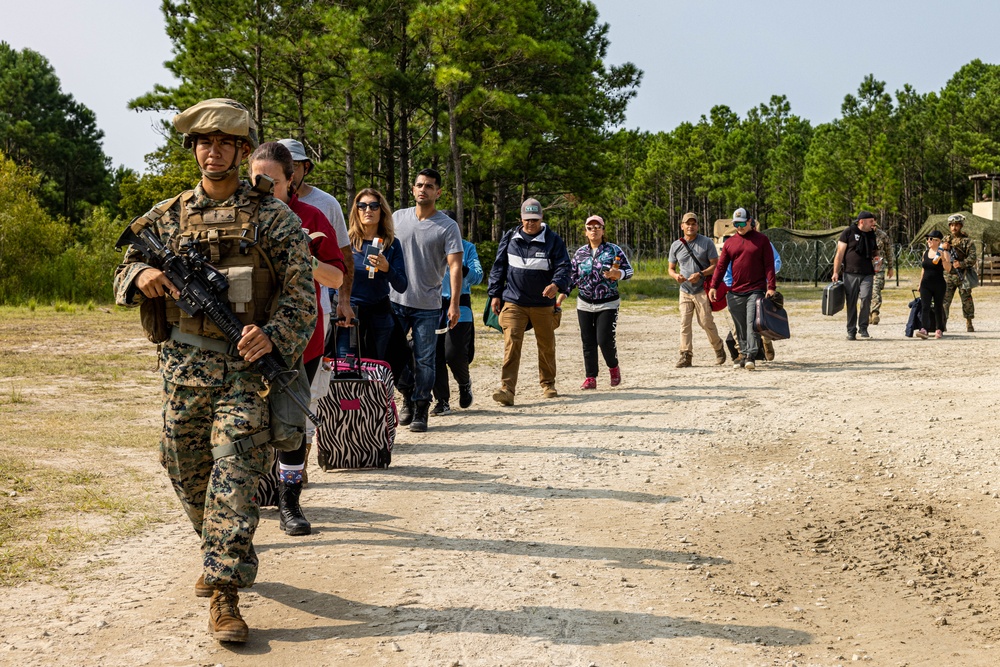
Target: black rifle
203 289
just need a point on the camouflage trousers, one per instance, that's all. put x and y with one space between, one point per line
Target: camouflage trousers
952 284
877 286
218 495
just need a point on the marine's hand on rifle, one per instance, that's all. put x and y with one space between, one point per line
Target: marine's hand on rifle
254 344
153 283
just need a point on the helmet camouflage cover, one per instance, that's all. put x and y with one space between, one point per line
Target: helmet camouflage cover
216 115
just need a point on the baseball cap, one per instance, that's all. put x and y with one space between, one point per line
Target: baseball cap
935 234
689 216
865 215
594 218
296 148
957 218
531 210
740 215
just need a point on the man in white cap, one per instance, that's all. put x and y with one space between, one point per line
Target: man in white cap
310 194
750 254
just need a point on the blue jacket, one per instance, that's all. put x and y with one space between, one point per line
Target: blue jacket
525 266
474 276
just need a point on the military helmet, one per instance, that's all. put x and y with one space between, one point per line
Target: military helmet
956 218
216 115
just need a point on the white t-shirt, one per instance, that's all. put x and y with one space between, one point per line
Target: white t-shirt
331 209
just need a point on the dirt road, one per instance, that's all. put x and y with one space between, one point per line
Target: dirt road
838 505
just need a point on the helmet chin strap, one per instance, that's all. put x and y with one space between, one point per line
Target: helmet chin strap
223 175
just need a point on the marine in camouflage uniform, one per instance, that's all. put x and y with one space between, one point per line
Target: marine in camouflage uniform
211 398
886 252
963 253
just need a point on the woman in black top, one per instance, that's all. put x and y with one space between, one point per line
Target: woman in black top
936 262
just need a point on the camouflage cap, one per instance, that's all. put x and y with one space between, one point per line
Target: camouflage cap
216 115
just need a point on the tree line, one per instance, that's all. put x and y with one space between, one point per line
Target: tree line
508 100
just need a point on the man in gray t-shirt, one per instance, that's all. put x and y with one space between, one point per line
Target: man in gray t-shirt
692 260
432 244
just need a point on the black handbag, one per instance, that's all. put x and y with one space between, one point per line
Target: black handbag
771 320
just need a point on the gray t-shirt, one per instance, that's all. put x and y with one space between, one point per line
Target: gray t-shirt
703 249
426 245
331 209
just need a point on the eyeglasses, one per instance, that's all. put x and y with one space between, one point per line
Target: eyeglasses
591 228
364 205
739 224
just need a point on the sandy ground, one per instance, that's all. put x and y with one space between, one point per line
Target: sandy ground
838 505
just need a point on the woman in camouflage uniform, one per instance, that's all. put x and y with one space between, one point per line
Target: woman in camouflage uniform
215 421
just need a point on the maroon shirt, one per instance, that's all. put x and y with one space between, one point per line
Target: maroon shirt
752 260
324 249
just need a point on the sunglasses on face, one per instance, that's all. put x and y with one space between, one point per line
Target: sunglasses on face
363 205
593 227
739 224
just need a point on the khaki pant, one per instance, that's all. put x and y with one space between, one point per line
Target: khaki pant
692 305
514 320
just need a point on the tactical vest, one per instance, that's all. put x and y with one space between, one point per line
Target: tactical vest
227 236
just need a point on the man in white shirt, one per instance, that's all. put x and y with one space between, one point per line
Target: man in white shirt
331 208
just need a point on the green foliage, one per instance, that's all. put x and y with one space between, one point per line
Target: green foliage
45 258
46 129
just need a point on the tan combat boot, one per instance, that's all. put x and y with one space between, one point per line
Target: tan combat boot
968 325
224 619
684 361
874 318
201 589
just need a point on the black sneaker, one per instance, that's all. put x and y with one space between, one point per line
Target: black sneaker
441 408
851 337
464 395
864 334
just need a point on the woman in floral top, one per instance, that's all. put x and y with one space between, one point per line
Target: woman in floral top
596 269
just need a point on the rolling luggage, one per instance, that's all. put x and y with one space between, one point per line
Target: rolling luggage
834 298
913 321
771 320
359 415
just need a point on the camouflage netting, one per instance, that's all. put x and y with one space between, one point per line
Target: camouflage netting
805 254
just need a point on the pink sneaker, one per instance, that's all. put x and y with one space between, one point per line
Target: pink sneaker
616 376
937 334
589 383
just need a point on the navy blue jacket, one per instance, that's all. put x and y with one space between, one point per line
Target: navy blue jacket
525 266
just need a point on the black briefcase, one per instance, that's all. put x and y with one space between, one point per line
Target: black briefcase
834 298
771 320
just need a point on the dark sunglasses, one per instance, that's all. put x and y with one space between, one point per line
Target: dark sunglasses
363 205
739 224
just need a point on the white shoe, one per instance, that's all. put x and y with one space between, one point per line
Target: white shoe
749 365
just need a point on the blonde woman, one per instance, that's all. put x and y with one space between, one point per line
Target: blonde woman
370 218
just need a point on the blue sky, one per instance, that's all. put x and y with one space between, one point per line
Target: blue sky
695 54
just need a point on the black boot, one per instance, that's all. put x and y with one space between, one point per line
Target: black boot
406 412
419 423
465 395
290 517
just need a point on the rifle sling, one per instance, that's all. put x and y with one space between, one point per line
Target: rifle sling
205 343
242 445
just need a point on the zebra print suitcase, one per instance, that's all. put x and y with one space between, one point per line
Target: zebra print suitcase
359 416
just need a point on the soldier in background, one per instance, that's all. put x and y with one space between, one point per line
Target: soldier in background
216 425
963 254
885 270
